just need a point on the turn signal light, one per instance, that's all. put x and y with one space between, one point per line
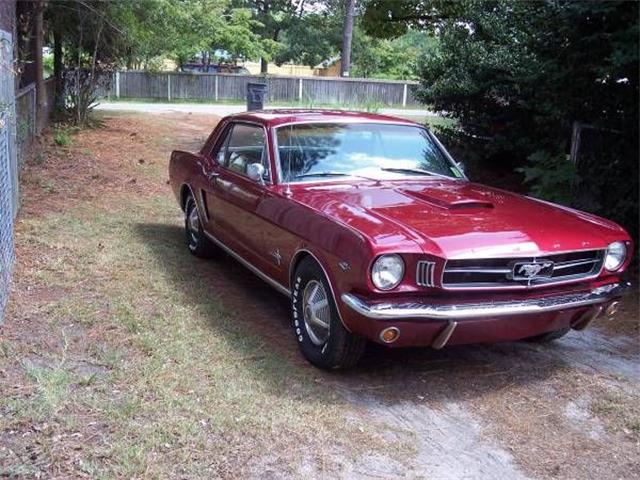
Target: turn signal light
612 309
389 334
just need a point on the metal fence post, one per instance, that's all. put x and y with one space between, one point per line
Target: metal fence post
34 108
169 86
117 84
215 88
404 95
300 89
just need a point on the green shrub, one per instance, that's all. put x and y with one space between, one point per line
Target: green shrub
62 137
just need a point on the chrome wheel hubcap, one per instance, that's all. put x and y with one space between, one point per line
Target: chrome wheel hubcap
194 224
317 315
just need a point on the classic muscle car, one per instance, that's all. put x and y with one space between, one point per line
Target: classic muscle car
375 233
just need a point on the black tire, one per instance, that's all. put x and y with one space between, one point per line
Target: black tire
338 349
197 242
549 336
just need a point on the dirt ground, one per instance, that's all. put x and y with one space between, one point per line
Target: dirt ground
122 356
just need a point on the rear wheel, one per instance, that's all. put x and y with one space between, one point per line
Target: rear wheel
322 338
549 336
197 242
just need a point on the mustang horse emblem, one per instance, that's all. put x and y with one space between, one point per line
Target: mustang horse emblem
530 270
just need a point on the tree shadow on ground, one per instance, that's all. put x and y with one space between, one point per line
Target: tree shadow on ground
384 374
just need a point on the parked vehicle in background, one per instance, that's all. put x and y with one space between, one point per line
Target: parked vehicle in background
214 68
375 234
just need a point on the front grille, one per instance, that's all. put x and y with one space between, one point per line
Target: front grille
522 271
425 274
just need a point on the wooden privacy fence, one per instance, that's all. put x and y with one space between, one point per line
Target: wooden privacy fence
216 87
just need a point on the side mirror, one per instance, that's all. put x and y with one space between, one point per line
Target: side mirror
460 166
255 172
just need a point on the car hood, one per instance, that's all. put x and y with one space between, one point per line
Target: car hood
457 218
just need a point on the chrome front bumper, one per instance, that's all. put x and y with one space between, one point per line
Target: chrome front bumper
395 311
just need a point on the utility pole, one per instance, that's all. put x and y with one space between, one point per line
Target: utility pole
347 37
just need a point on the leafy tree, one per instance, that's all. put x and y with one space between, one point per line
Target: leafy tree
181 29
517 76
273 16
397 58
311 39
93 42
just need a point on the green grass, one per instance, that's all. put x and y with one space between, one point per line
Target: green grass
62 137
179 385
622 412
52 388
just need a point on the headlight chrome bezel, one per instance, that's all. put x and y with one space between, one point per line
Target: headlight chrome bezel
377 271
618 252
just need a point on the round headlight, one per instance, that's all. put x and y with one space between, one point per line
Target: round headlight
387 271
616 253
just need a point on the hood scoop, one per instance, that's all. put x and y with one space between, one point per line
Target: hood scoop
451 200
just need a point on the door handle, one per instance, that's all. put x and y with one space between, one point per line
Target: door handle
212 176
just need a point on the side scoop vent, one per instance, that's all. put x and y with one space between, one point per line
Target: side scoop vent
469 204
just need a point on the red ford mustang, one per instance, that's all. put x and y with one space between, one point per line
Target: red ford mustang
375 233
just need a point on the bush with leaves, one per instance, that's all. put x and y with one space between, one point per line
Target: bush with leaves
516 76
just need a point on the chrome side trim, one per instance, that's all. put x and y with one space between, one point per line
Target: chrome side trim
278 286
400 310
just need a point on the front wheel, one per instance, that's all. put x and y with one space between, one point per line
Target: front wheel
197 242
322 338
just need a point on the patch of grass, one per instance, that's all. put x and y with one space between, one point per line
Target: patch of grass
48 185
62 137
39 158
52 387
194 387
5 349
188 376
621 411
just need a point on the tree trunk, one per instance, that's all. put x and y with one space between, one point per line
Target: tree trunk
264 65
57 67
41 94
347 37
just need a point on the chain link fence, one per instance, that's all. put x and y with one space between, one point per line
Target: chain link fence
8 166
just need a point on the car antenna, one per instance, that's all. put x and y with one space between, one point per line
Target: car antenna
287 187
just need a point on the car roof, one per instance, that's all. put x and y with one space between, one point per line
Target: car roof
277 117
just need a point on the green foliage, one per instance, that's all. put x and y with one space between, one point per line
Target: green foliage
312 39
179 30
315 37
62 137
516 76
397 58
552 177
47 60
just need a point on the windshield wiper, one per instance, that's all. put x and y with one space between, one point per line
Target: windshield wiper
323 174
419 171
336 174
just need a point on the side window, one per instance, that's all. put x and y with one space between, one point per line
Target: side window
246 145
222 150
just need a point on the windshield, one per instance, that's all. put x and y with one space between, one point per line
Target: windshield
377 151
